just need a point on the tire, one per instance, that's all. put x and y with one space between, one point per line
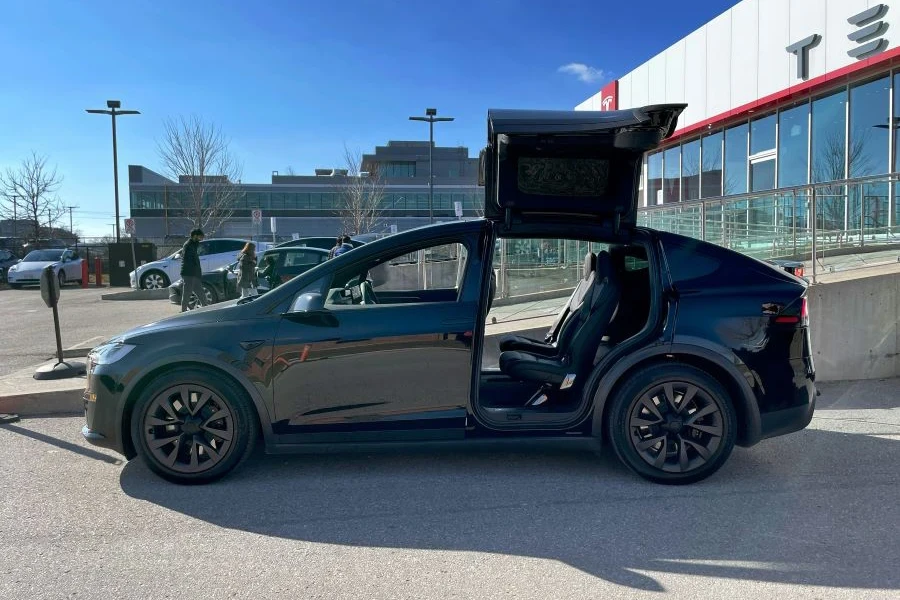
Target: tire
178 441
658 404
61 276
209 292
154 280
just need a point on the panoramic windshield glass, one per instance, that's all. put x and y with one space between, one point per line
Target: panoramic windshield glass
44 255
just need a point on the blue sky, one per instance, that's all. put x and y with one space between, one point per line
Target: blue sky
291 82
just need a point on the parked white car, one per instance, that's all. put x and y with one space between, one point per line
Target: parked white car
66 265
214 253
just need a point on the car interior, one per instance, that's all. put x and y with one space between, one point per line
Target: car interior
609 304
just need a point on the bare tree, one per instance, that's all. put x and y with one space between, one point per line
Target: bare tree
828 165
29 192
197 155
289 171
362 193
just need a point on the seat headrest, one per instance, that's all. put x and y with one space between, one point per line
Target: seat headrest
604 262
590 264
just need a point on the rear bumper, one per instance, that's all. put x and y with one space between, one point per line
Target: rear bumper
789 420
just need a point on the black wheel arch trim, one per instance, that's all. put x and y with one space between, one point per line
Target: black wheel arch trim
136 379
749 429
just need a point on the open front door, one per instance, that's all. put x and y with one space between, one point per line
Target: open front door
542 166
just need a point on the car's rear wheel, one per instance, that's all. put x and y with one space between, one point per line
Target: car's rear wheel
672 423
154 280
190 426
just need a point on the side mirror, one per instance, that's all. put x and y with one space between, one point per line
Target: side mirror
309 302
177 256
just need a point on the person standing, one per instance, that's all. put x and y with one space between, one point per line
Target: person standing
345 246
247 282
337 244
191 271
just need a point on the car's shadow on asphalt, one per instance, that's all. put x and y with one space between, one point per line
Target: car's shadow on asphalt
814 508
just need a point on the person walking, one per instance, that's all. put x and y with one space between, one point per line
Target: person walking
247 282
191 271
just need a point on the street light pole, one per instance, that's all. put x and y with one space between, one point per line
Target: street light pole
113 105
431 118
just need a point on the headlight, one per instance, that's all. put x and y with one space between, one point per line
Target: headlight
13 269
110 352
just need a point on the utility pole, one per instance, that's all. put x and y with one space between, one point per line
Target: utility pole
431 118
71 227
113 105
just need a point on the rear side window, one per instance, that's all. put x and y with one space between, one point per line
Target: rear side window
689 262
228 246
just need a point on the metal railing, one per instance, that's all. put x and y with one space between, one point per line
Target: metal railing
851 216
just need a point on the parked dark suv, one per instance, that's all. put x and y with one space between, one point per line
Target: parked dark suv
670 349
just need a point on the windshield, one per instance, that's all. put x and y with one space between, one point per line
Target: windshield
44 255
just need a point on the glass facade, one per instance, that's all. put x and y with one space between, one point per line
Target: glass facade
711 157
736 160
398 169
793 146
312 201
690 171
844 133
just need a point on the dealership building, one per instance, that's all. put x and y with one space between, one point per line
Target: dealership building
315 205
793 106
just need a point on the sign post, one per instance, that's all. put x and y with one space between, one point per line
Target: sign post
129 229
257 221
273 227
50 296
457 206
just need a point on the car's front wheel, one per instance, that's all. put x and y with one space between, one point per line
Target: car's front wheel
61 276
190 426
672 423
154 280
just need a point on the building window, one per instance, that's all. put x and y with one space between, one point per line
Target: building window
736 160
671 170
711 178
869 121
398 169
690 171
829 120
654 178
762 154
793 139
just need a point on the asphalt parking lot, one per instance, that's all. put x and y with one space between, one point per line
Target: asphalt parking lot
811 515
27 337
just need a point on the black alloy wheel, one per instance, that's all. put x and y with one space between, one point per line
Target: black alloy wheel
191 426
672 424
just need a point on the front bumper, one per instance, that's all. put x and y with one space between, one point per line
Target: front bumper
102 412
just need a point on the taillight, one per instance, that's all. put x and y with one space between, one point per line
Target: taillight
798 272
802 319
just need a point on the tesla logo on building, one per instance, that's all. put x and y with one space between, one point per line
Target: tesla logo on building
801 49
609 96
868 36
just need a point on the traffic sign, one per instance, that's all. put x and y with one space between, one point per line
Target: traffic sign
257 216
458 207
129 226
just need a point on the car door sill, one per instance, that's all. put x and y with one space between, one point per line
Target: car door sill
524 440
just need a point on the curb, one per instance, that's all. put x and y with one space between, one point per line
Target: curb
158 294
43 404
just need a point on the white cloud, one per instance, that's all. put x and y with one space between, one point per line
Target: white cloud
584 72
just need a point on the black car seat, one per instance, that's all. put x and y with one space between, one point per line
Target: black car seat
578 339
549 346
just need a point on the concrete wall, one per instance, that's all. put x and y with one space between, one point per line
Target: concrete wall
854 328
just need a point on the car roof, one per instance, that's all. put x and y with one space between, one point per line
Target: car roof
296 249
